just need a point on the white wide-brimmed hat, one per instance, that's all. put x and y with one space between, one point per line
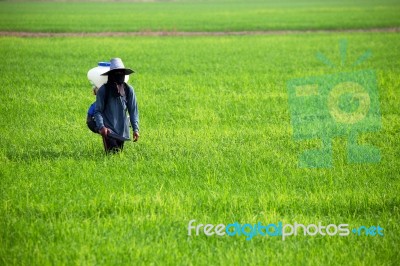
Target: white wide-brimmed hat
116 64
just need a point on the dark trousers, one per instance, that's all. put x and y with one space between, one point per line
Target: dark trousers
112 145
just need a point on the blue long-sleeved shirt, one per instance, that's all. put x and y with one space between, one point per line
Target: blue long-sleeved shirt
113 114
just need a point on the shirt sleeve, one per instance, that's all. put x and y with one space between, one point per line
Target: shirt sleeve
133 110
99 108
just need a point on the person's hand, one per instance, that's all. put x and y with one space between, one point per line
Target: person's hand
135 136
103 131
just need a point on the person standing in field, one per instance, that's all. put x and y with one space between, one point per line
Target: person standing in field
113 101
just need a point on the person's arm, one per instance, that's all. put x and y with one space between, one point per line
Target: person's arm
98 111
133 113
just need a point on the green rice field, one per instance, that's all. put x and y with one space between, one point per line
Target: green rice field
216 141
192 15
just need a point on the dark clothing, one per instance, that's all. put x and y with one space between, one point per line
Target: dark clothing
112 145
112 112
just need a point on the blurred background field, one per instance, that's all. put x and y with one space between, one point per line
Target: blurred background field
219 15
216 146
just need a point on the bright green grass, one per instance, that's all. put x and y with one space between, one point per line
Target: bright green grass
198 15
216 146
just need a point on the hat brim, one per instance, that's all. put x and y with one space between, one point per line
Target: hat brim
127 71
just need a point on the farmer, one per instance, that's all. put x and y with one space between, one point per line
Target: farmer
113 100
